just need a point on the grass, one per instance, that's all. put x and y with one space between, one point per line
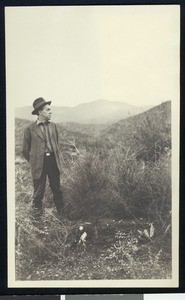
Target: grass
42 256
116 249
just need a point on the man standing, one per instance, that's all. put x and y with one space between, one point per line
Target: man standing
41 150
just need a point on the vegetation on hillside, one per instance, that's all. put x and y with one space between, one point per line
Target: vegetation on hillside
117 184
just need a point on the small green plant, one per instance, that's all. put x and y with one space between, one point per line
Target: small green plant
128 258
122 253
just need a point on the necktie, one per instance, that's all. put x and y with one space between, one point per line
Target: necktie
47 137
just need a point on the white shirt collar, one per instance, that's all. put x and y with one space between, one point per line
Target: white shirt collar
41 122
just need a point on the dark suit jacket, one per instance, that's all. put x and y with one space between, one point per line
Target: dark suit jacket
34 147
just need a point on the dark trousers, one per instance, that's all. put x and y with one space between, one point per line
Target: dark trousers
50 169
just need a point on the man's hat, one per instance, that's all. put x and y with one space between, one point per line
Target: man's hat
38 103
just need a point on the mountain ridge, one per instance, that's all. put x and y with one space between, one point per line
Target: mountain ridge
98 111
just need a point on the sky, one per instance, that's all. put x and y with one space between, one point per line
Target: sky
76 54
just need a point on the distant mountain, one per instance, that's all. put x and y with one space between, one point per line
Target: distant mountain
95 112
148 127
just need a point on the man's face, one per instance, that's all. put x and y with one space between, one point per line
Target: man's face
45 113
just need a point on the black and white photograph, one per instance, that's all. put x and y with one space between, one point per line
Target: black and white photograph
93 105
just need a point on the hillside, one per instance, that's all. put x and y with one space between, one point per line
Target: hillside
99 111
147 126
88 129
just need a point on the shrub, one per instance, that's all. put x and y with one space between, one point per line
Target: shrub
144 190
153 135
88 190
